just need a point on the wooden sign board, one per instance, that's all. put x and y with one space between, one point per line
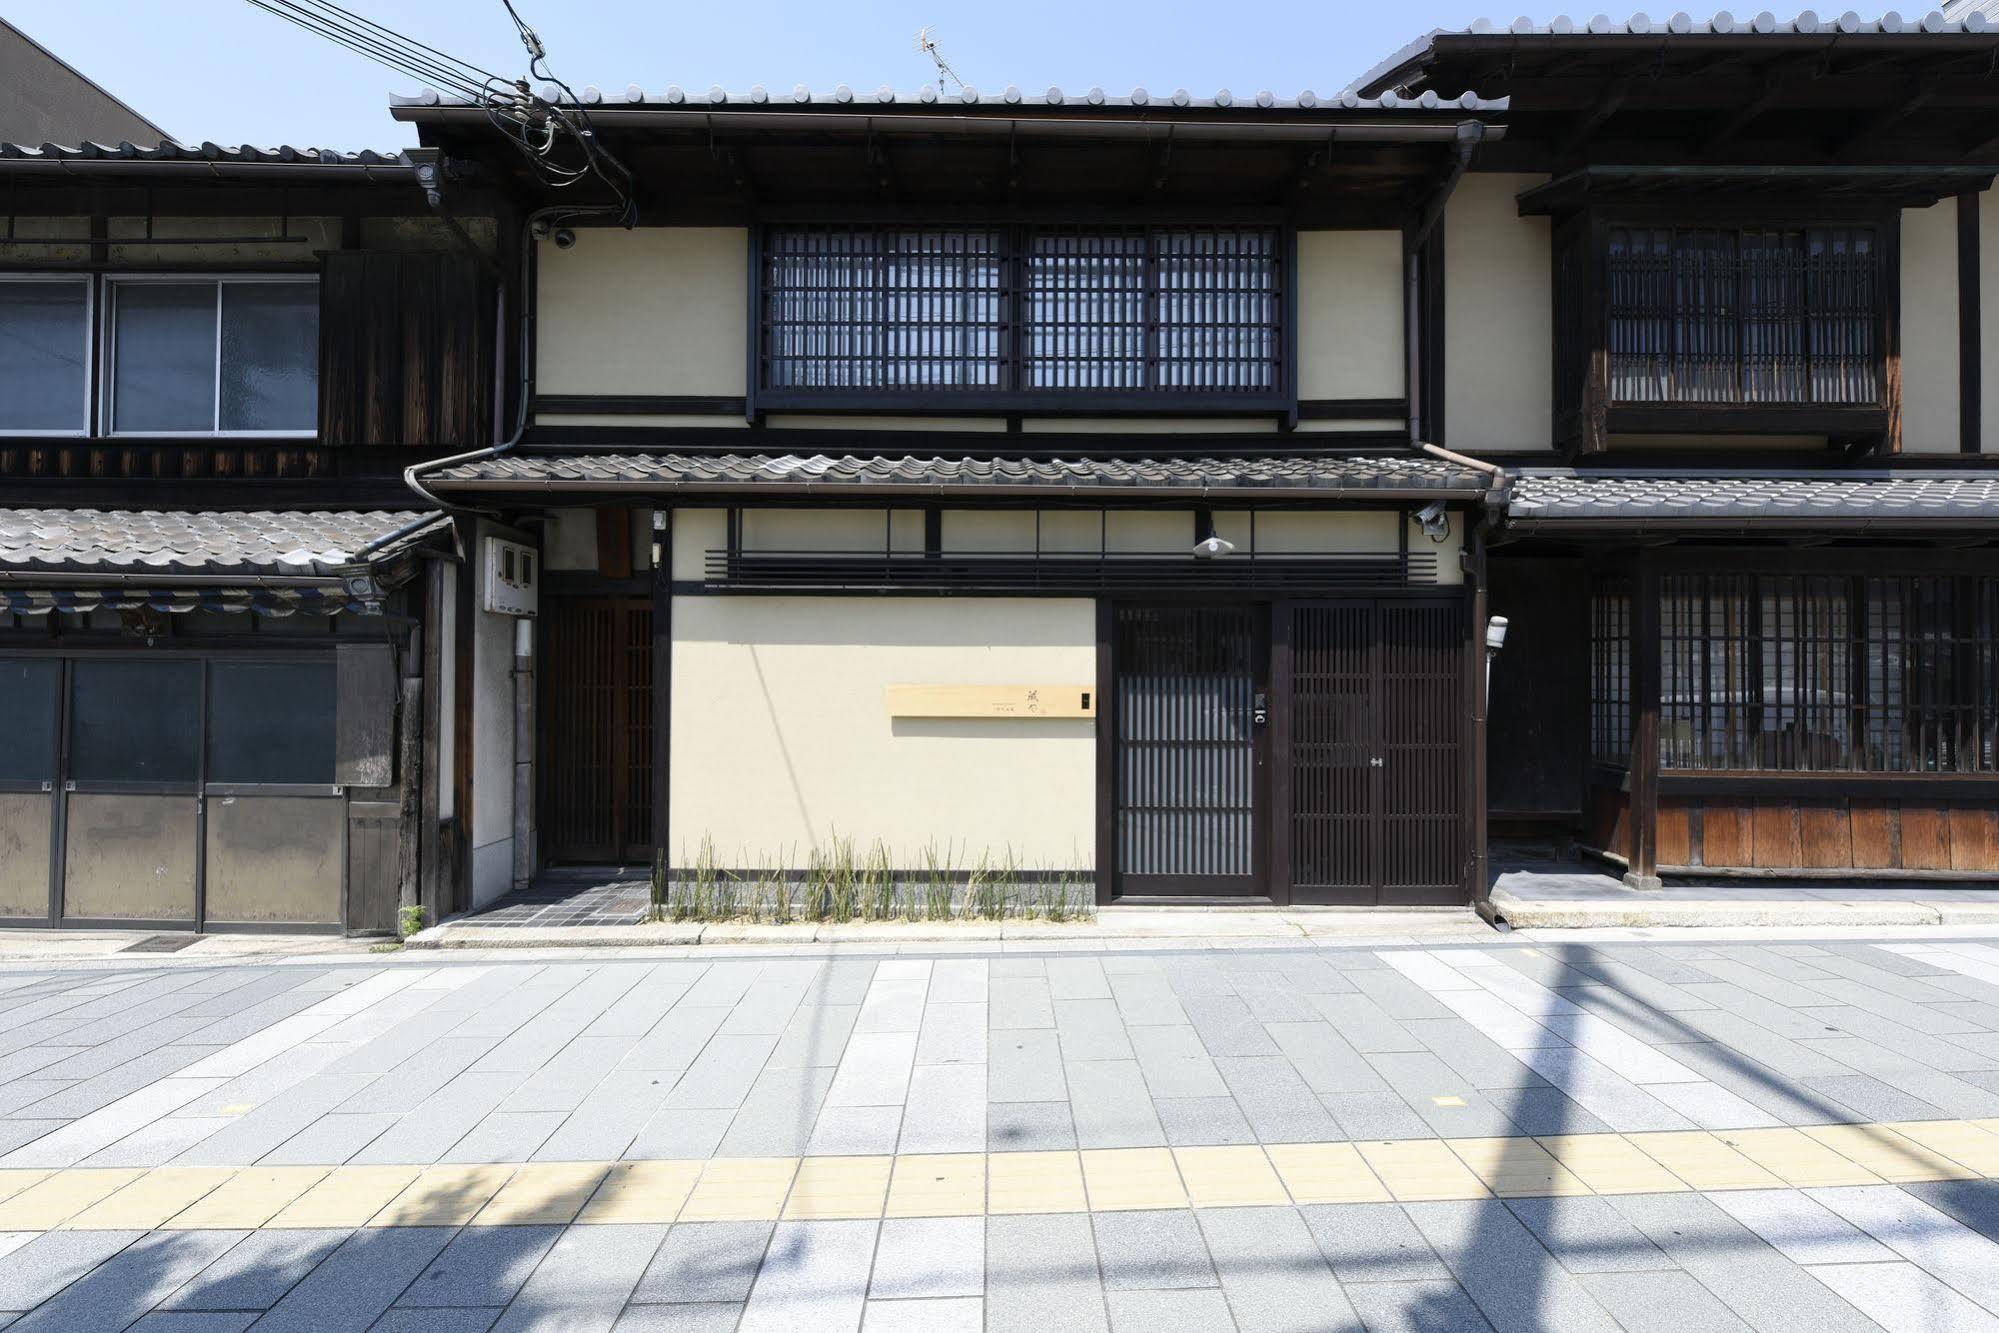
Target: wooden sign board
992 701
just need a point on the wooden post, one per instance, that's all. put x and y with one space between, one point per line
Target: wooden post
1643 821
662 676
1478 660
1105 870
430 831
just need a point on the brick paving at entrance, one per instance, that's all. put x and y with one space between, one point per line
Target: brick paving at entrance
1589 1135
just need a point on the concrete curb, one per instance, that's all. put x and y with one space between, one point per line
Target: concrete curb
1638 912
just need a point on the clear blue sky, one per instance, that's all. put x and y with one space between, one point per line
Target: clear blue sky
225 71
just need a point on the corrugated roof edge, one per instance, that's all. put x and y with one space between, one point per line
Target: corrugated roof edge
1387 73
885 98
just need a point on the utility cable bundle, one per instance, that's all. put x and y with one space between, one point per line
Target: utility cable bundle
555 136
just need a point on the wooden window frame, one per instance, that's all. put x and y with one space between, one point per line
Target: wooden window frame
1585 412
1008 395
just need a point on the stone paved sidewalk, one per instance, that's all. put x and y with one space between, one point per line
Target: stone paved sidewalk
1776 1135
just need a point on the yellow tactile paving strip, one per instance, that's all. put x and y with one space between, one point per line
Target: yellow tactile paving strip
973 1184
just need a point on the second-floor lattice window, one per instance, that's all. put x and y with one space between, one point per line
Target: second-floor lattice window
1749 315
1168 313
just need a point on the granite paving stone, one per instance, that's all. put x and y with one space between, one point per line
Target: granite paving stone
1152 1249
257 1271
1272 1272
705 1262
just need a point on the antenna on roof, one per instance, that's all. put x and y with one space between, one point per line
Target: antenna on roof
927 44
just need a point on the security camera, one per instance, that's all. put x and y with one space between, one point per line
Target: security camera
539 229
565 239
1495 633
1435 518
1209 547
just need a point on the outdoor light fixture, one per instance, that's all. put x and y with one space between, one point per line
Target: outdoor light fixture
1436 520
1495 634
1211 546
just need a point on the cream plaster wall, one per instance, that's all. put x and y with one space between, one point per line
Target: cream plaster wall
781 737
1498 320
659 310
1929 329
492 739
1350 314
1988 322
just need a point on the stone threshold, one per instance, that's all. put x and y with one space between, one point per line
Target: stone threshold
1636 908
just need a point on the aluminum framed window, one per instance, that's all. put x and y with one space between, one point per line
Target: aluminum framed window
46 334
232 355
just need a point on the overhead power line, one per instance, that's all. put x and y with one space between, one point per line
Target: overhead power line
556 137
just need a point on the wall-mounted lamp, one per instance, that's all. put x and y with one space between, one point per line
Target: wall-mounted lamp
1495 639
1209 547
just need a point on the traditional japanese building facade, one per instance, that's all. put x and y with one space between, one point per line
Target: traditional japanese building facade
1117 488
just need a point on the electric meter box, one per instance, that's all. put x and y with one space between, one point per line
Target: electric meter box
512 578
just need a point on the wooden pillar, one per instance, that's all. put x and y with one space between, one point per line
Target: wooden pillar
1105 871
1478 659
662 675
410 770
1643 871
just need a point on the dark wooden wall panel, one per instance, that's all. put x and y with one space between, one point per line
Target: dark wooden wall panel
1537 737
1676 833
406 345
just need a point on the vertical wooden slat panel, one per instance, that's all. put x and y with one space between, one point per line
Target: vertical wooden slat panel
1974 837
1725 834
1774 834
1873 829
1676 837
1925 836
1825 834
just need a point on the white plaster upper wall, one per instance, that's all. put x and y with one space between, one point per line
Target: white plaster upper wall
1988 322
1350 314
492 744
1929 329
1498 319
658 310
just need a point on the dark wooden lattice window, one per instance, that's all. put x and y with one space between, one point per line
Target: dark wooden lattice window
1016 317
1829 673
1610 670
1754 316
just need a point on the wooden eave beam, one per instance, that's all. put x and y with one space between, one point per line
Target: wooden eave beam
1920 95
1606 107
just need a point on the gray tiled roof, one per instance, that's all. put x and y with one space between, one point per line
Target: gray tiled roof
223 159
302 544
1786 498
823 472
1178 99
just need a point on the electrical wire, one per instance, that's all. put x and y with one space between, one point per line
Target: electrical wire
555 137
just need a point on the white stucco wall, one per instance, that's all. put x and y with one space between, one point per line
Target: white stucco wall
492 810
1350 341
782 739
658 310
1929 329
1498 318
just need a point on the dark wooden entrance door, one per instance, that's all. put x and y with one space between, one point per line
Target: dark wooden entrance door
597 702
1372 712
1189 708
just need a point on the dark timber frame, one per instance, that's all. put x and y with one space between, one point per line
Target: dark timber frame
1831 821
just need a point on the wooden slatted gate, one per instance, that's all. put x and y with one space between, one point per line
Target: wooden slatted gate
1370 752
1189 768
597 702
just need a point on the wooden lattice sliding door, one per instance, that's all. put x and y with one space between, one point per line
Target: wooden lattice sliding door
1189 751
597 702
1371 701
